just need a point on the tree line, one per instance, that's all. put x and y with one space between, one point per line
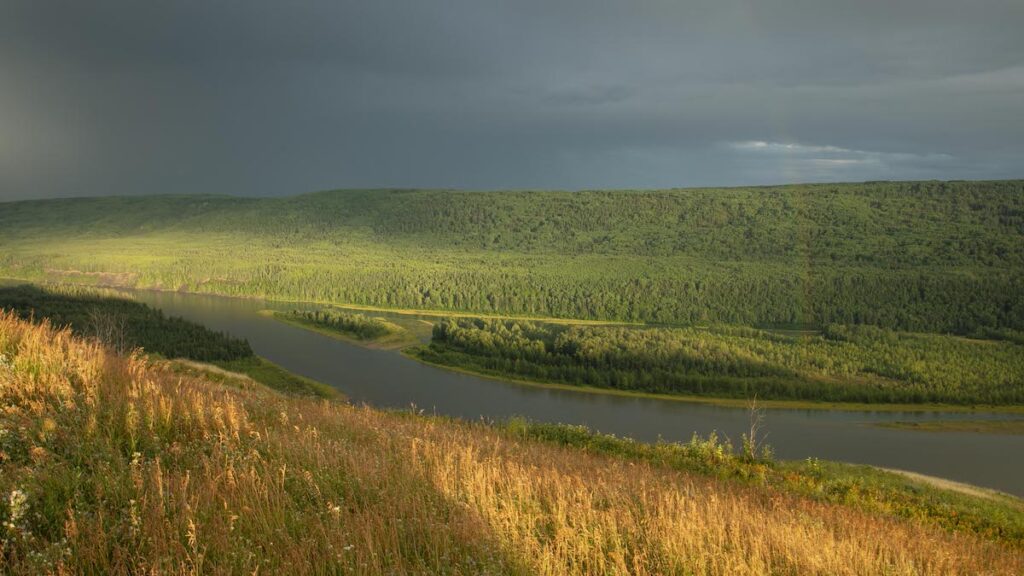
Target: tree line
842 363
354 324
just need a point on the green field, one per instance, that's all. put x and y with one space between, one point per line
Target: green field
915 256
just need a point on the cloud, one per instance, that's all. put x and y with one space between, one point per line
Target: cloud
824 162
789 148
263 97
827 153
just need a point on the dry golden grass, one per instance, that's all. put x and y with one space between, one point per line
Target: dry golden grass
115 465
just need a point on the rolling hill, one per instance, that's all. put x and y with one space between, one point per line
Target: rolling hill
921 256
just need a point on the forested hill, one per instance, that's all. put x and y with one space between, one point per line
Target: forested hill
906 223
946 256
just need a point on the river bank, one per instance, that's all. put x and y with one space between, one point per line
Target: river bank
388 379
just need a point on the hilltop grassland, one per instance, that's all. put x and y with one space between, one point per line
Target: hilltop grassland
114 464
913 256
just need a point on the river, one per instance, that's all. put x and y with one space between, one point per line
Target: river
387 379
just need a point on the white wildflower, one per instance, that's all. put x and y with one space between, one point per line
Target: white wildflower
18 502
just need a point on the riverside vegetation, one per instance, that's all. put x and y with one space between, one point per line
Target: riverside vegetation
117 464
348 325
841 364
1009 426
126 325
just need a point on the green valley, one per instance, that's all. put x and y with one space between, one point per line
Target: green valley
916 256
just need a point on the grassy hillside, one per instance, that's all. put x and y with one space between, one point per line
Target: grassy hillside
126 326
922 256
111 464
121 323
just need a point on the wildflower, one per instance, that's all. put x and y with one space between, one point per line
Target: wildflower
133 516
18 502
334 509
38 454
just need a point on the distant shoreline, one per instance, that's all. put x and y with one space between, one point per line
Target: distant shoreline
409 352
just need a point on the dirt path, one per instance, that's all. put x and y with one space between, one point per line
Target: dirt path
212 368
944 484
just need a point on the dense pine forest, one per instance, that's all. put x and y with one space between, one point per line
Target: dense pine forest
842 364
913 256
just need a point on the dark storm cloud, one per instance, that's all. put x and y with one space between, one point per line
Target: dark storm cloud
260 97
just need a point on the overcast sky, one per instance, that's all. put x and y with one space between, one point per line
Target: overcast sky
262 97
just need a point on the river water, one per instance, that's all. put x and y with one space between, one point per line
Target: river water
387 379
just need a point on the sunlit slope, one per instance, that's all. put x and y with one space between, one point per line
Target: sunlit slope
114 465
918 255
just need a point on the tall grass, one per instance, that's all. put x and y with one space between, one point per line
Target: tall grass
111 464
